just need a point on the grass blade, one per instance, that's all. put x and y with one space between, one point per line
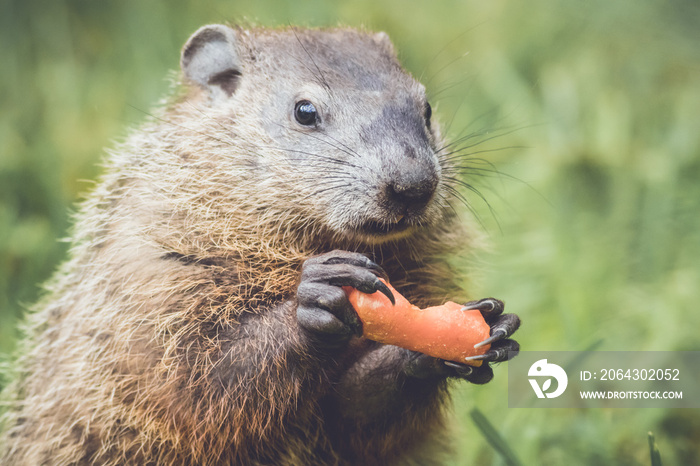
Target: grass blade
494 438
654 451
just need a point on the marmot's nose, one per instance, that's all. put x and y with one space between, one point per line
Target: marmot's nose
412 192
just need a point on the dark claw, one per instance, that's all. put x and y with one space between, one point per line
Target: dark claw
363 284
503 350
498 334
360 279
463 370
376 285
476 375
358 260
478 357
507 323
488 306
385 289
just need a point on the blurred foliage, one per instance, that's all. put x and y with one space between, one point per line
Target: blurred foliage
587 110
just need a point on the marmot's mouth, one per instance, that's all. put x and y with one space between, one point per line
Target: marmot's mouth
374 227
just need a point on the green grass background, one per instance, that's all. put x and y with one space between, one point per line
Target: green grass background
594 223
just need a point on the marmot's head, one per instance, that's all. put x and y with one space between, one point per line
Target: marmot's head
321 129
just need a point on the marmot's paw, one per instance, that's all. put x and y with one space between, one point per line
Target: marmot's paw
502 348
323 309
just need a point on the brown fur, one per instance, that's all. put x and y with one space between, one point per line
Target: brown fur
156 342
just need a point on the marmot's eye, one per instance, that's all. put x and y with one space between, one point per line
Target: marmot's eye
427 113
305 113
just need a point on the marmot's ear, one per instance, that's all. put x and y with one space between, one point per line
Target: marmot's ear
209 58
382 39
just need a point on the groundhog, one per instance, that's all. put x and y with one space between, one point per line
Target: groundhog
200 317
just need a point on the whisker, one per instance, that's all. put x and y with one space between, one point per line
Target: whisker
462 34
323 82
474 190
318 139
460 197
458 154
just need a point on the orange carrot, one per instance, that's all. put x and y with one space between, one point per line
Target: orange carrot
444 332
